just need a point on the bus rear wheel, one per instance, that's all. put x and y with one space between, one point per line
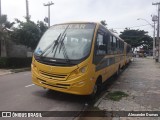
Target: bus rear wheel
118 71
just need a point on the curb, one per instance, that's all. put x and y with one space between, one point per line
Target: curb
6 73
101 98
11 71
20 70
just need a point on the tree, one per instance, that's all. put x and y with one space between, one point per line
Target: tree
28 33
5 26
42 26
137 38
4 23
148 43
103 22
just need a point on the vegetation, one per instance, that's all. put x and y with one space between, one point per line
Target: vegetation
28 33
137 38
15 62
25 33
103 22
5 25
116 95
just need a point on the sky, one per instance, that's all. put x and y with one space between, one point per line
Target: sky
118 14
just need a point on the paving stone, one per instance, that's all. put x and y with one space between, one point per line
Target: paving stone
141 81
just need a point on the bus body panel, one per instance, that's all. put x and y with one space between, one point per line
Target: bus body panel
80 84
75 84
70 79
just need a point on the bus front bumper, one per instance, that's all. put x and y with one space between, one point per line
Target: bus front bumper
78 86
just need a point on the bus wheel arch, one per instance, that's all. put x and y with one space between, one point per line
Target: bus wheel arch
118 70
97 88
98 84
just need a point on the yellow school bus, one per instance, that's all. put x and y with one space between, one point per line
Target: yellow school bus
78 57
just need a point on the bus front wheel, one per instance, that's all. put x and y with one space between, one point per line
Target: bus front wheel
96 89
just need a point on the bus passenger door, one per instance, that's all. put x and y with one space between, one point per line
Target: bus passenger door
99 55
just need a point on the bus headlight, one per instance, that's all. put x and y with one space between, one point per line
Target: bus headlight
83 69
78 72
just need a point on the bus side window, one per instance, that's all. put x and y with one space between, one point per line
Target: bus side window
121 46
100 45
108 44
117 46
111 45
114 45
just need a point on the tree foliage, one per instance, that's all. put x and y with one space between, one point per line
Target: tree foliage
103 22
5 26
5 23
42 26
137 38
28 33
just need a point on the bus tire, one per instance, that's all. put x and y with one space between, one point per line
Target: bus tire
118 71
97 88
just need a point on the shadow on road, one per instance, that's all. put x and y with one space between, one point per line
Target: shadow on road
58 96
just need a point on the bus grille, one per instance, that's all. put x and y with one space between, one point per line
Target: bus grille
57 85
53 75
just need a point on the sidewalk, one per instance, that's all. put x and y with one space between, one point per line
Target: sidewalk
4 72
9 71
141 81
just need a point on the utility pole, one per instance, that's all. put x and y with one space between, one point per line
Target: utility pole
158 27
0 26
154 19
27 11
48 4
0 9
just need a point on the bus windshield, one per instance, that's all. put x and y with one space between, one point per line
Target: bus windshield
66 41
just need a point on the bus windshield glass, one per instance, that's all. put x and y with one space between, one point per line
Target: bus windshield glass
66 41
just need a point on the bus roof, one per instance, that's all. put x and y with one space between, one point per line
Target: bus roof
74 22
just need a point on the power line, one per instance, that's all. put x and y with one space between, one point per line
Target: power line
0 9
133 26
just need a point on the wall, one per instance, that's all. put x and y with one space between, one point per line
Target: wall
19 51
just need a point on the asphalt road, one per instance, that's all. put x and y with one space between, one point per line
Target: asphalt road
17 93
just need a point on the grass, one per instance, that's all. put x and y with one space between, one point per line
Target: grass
90 113
116 95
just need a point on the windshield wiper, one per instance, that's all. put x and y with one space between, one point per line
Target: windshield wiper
65 54
56 47
64 49
55 42
62 43
59 42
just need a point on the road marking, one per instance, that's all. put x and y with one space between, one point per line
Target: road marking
29 85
